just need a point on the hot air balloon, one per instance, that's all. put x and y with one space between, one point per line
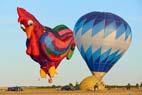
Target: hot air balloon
102 38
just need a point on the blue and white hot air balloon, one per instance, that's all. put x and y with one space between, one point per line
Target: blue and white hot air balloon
102 38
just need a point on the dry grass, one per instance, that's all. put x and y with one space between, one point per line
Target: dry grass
35 91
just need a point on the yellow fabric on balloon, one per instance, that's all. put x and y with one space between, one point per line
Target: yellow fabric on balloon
52 71
89 83
42 73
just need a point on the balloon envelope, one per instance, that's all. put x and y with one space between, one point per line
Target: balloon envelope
102 38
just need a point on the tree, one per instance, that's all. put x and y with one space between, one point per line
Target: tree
137 85
70 84
141 85
128 86
77 86
53 86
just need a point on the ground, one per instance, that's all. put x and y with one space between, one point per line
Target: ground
35 91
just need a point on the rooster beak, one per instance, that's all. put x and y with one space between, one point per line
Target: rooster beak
20 12
28 31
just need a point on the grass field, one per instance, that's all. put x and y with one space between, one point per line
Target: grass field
35 91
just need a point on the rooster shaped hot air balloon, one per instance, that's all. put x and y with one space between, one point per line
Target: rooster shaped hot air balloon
45 45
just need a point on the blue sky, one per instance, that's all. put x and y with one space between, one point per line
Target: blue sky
16 68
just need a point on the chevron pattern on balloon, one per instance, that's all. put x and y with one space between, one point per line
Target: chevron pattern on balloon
106 22
98 61
101 41
102 38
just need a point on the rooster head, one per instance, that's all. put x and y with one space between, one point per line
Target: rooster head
28 22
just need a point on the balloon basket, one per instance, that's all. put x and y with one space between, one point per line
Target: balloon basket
92 83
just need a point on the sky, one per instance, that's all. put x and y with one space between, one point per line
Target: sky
16 68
